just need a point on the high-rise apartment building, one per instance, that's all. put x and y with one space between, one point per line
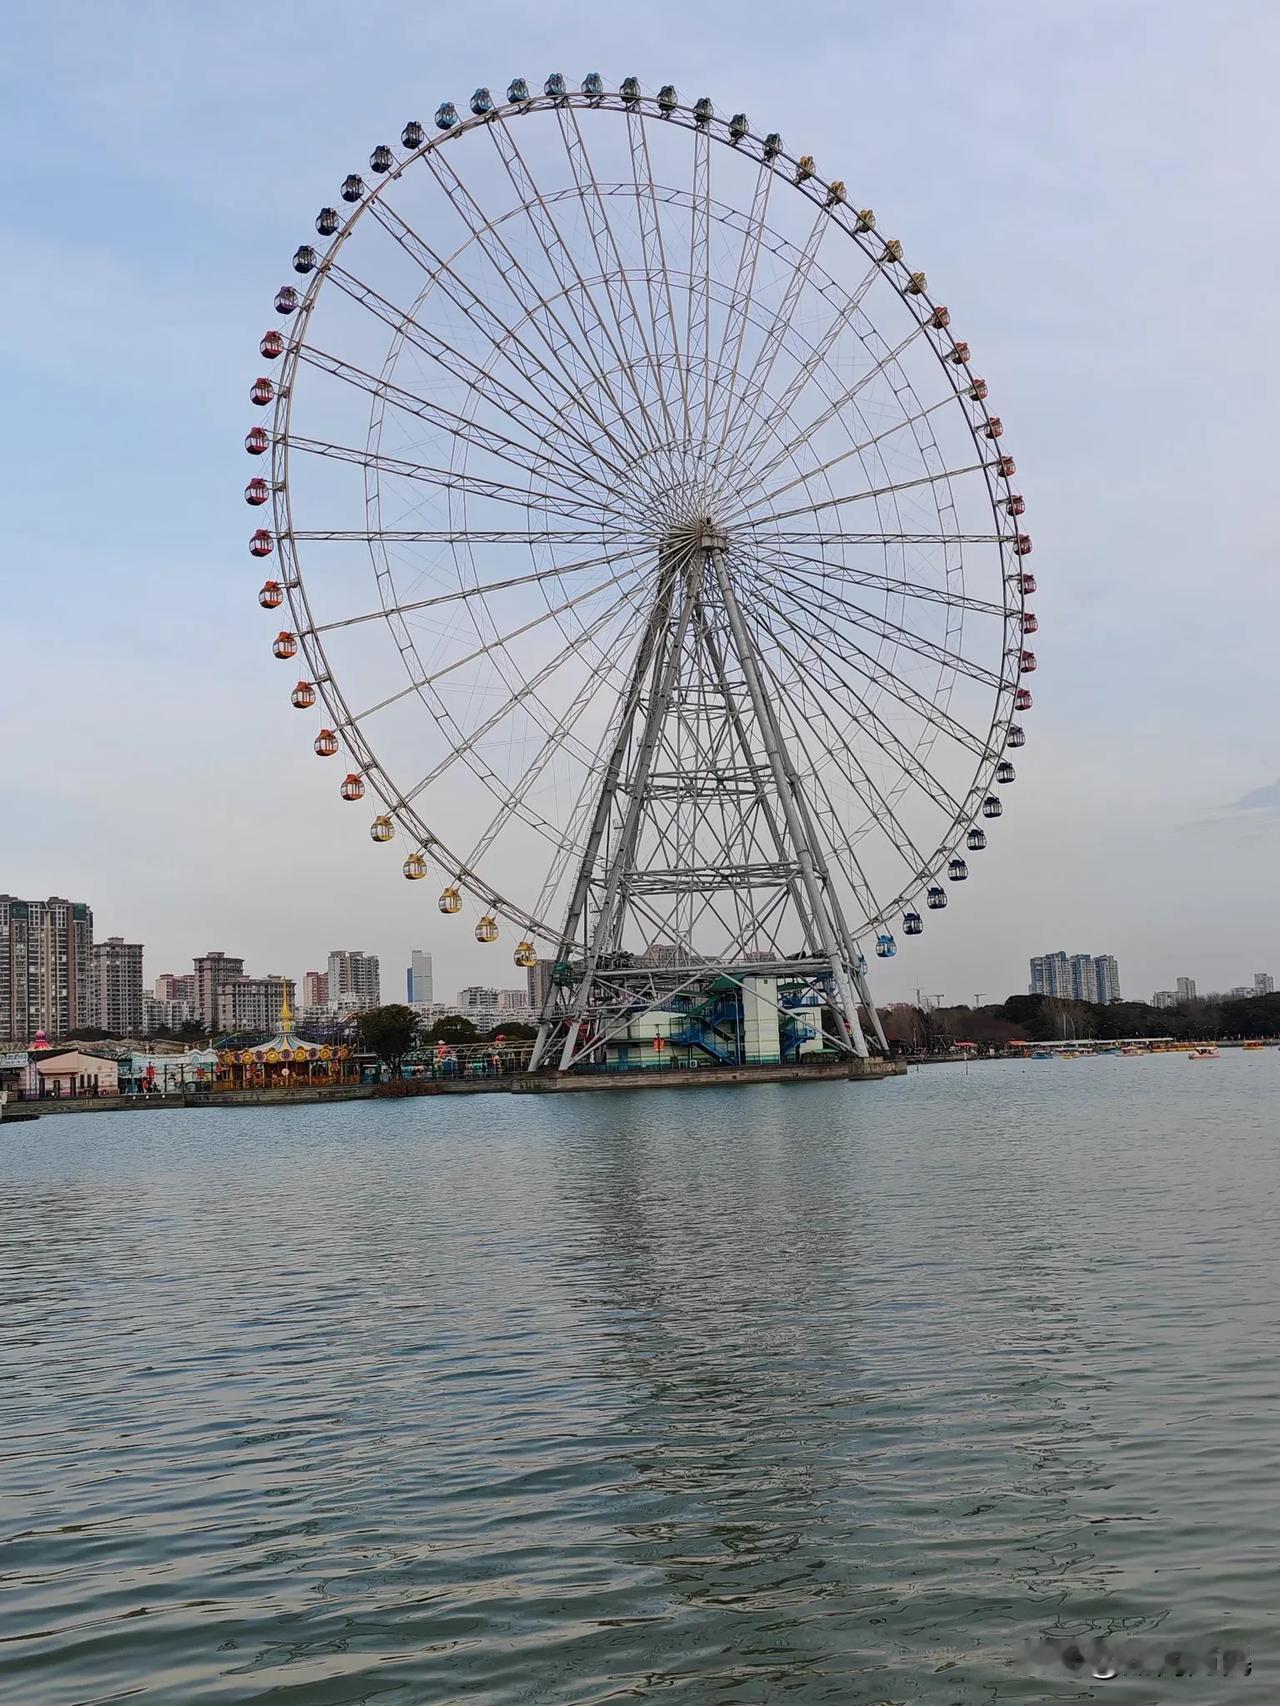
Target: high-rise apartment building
1186 989
1079 977
117 986
1106 973
477 995
315 989
419 983
353 978
160 1015
252 1003
211 971
1051 975
165 987
1165 998
1084 982
46 980
513 1000
539 977
1263 983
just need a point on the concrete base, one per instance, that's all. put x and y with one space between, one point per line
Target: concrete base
90 1105
282 1098
706 1076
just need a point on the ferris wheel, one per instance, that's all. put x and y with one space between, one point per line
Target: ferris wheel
649 548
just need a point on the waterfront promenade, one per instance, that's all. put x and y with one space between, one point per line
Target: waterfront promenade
512 1083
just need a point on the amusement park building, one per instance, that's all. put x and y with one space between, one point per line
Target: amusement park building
755 1021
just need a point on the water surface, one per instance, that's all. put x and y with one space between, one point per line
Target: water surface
811 1393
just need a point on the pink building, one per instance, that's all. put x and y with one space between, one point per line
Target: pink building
76 1073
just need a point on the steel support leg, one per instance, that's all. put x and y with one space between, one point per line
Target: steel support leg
791 800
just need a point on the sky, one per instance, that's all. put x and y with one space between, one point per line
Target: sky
1089 184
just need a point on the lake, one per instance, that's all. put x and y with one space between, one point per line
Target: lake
824 1392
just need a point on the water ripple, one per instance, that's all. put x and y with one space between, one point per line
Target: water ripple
821 1392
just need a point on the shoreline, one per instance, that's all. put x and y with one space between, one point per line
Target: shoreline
514 1084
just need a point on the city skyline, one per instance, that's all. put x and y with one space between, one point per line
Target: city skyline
154 246
109 987
50 943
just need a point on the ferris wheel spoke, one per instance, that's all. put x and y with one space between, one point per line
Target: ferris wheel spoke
572 841
836 406
745 408
460 536
813 362
516 796
657 277
577 295
824 468
766 536
512 275
868 792
513 403
739 309
505 339
699 314
930 650
539 577
559 503
748 516
529 459
468 744
869 722
841 575
878 673
856 874
617 283
422 682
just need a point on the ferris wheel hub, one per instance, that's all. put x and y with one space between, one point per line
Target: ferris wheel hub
698 535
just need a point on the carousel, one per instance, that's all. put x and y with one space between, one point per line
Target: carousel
283 1062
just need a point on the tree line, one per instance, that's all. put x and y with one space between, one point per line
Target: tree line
394 1031
1046 1018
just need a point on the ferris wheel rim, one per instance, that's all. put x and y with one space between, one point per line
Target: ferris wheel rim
351 726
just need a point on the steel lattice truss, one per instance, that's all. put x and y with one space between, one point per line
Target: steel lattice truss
663 576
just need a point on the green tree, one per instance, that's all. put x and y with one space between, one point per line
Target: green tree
453 1028
1251 1016
517 1032
390 1032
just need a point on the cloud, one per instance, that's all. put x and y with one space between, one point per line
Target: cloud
1261 799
